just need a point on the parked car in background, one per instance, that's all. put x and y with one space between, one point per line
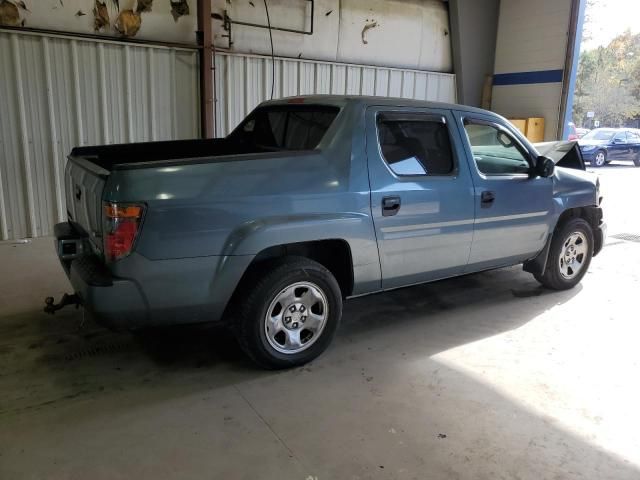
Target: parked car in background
581 132
312 200
602 145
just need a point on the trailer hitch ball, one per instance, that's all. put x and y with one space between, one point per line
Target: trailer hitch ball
67 299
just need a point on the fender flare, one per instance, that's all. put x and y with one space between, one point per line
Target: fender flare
591 214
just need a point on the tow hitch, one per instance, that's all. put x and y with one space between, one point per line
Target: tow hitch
67 299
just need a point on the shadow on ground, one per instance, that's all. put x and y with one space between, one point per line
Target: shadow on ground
375 404
62 357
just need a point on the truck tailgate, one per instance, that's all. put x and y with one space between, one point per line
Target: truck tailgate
84 182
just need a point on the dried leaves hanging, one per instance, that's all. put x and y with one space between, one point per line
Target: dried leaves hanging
179 8
22 5
128 23
9 14
101 15
144 6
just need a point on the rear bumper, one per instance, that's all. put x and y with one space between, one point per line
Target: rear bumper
113 302
119 306
138 292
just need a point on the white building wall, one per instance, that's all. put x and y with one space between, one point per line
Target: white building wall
57 93
411 34
532 41
77 16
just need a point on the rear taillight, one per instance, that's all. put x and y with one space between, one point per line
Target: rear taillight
121 226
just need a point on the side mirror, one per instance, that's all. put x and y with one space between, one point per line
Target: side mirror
617 141
544 167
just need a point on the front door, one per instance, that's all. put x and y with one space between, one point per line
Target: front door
513 210
618 149
421 194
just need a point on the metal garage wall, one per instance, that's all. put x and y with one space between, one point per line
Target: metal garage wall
58 92
243 81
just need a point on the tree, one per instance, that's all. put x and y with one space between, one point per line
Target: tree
608 82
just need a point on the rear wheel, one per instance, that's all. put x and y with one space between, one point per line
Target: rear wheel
636 160
289 314
599 159
569 256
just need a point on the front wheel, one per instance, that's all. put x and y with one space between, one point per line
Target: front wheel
599 159
569 256
289 314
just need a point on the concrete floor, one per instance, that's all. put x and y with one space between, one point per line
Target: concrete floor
482 377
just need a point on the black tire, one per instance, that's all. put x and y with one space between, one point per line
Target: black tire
553 277
599 161
264 284
636 161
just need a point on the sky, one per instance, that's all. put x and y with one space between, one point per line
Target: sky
610 18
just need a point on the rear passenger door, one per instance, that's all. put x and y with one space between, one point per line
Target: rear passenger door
421 194
633 143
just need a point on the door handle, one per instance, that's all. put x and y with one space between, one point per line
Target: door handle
390 206
486 198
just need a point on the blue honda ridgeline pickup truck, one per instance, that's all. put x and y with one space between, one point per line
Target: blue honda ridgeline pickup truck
312 200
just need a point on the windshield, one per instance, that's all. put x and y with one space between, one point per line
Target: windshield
285 127
599 135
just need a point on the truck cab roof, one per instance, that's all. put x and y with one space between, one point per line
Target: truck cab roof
365 101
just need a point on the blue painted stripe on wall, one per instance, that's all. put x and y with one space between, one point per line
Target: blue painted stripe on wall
522 78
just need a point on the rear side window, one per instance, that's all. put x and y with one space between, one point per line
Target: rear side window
286 127
415 144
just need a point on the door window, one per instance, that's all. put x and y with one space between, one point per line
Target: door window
415 144
633 137
495 151
620 138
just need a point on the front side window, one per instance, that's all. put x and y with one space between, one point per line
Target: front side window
415 144
495 151
633 137
285 127
620 138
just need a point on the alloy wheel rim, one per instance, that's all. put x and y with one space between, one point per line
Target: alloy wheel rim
296 317
600 158
573 255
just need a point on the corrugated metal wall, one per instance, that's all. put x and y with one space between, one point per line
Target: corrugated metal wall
57 92
243 81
